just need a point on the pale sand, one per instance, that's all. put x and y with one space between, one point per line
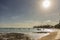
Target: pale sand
51 36
58 35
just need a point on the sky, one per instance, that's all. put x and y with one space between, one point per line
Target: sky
28 13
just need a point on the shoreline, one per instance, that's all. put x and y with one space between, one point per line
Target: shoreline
51 36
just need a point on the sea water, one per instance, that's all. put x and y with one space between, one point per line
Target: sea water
28 31
17 30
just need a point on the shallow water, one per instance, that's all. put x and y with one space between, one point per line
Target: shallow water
18 30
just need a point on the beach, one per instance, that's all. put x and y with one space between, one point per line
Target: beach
52 36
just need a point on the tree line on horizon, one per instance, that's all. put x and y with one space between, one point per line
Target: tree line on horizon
48 26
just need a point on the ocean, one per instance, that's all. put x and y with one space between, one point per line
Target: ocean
15 30
29 31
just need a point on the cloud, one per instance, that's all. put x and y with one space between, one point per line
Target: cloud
28 24
50 22
14 17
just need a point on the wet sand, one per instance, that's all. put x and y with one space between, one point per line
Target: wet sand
51 36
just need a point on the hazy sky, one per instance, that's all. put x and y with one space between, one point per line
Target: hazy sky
27 13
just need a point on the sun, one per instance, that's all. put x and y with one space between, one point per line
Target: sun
46 3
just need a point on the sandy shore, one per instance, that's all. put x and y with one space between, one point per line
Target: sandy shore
51 36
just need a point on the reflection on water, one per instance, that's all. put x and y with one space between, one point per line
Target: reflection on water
24 30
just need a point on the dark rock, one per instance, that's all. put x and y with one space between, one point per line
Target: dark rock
14 36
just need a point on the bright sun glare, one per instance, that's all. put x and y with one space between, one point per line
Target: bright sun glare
46 3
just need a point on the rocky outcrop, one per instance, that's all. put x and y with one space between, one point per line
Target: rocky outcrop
14 36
